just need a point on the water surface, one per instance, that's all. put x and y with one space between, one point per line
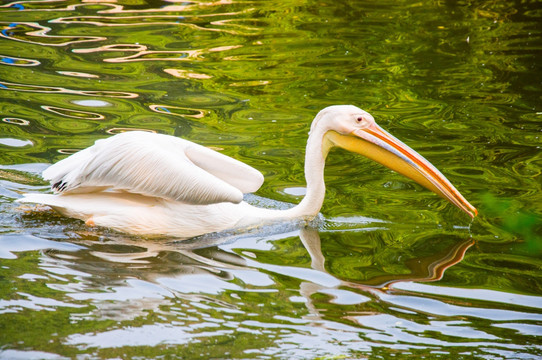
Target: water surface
387 270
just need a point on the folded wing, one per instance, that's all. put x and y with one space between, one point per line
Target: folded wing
155 165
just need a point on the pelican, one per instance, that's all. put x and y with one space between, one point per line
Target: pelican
154 184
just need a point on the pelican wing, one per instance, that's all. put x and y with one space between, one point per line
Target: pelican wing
155 165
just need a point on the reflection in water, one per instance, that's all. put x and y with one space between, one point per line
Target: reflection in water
92 103
78 74
143 54
185 74
33 33
60 90
16 121
118 130
201 22
422 269
67 151
179 111
15 142
71 113
184 292
16 61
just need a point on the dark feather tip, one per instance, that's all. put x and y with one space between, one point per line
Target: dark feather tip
59 186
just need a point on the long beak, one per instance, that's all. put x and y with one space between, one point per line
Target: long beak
377 144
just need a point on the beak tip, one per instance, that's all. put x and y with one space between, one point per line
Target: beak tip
473 212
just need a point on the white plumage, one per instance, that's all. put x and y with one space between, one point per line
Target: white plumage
146 183
155 165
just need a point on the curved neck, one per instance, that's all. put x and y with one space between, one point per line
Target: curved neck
315 158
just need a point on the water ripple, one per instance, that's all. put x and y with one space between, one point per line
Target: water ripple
387 270
202 22
118 130
71 113
179 111
16 121
53 89
78 74
142 54
34 33
17 143
16 61
186 74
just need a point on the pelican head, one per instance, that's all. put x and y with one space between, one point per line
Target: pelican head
354 129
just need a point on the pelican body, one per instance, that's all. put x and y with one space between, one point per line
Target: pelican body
154 184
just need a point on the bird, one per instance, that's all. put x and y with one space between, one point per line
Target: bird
145 183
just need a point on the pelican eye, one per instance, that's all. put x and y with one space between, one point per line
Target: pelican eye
359 119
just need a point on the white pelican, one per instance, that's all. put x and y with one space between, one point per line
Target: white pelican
153 184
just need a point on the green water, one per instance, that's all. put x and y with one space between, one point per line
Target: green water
389 270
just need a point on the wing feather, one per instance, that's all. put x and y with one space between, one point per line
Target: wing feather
155 165
238 174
